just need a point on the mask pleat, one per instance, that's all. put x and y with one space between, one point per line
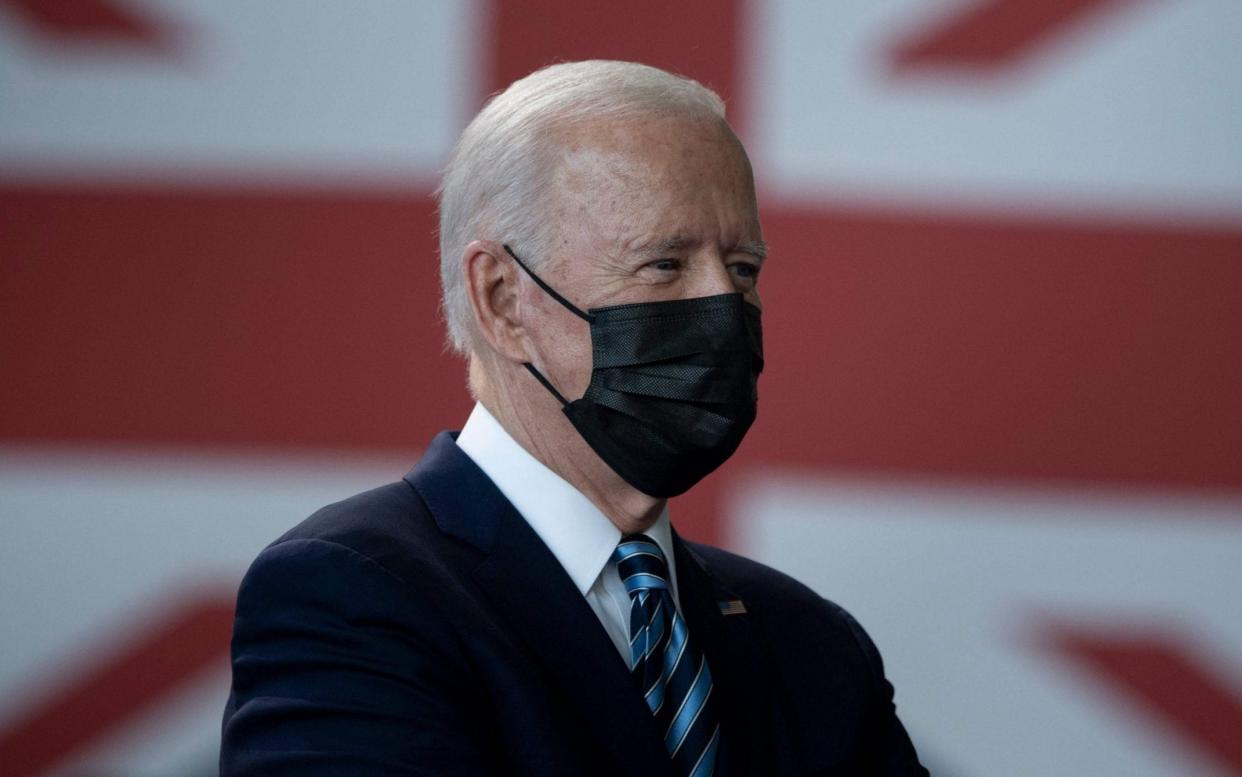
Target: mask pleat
630 345
687 382
701 427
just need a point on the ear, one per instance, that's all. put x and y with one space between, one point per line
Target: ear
492 288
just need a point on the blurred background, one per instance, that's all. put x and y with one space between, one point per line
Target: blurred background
1001 421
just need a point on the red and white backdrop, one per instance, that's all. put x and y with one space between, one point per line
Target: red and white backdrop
1002 421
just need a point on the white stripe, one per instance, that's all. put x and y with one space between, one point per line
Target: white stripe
706 750
702 707
673 721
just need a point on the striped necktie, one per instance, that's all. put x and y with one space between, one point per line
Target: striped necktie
671 672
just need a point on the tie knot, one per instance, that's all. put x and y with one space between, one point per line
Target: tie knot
641 564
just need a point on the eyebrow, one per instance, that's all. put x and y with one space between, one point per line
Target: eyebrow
756 247
666 245
679 243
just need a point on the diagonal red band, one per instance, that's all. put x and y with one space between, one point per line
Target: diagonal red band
110 693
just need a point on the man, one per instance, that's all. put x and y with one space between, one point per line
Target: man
519 603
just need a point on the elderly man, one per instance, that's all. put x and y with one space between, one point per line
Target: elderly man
519 603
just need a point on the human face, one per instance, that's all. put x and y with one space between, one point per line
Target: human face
645 210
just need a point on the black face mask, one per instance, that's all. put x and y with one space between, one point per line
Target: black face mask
673 386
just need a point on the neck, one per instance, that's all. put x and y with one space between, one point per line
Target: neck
536 423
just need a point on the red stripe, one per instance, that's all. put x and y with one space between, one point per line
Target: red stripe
698 38
995 34
67 20
1162 677
897 342
1003 347
231 317
112 692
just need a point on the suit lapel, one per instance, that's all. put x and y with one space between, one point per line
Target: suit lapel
531 590
739 664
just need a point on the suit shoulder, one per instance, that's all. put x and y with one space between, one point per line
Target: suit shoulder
374 510
389 525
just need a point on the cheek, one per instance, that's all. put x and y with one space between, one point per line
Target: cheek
573 363
566 351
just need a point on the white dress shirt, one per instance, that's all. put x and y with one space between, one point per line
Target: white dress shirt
580 536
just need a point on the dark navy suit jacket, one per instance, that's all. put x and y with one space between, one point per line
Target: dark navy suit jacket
423 628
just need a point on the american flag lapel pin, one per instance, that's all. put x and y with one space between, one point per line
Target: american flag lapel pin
732 607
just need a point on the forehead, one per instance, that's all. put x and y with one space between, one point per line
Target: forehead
656 173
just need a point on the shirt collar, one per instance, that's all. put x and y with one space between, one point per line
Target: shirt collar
580 536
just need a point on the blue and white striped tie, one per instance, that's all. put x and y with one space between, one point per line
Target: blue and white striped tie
671 672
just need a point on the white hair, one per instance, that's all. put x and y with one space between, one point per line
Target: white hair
494 185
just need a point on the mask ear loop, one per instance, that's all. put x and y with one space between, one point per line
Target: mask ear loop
587 317
568 306
546 383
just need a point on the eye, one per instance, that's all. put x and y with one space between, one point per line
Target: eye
746 271
665 265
